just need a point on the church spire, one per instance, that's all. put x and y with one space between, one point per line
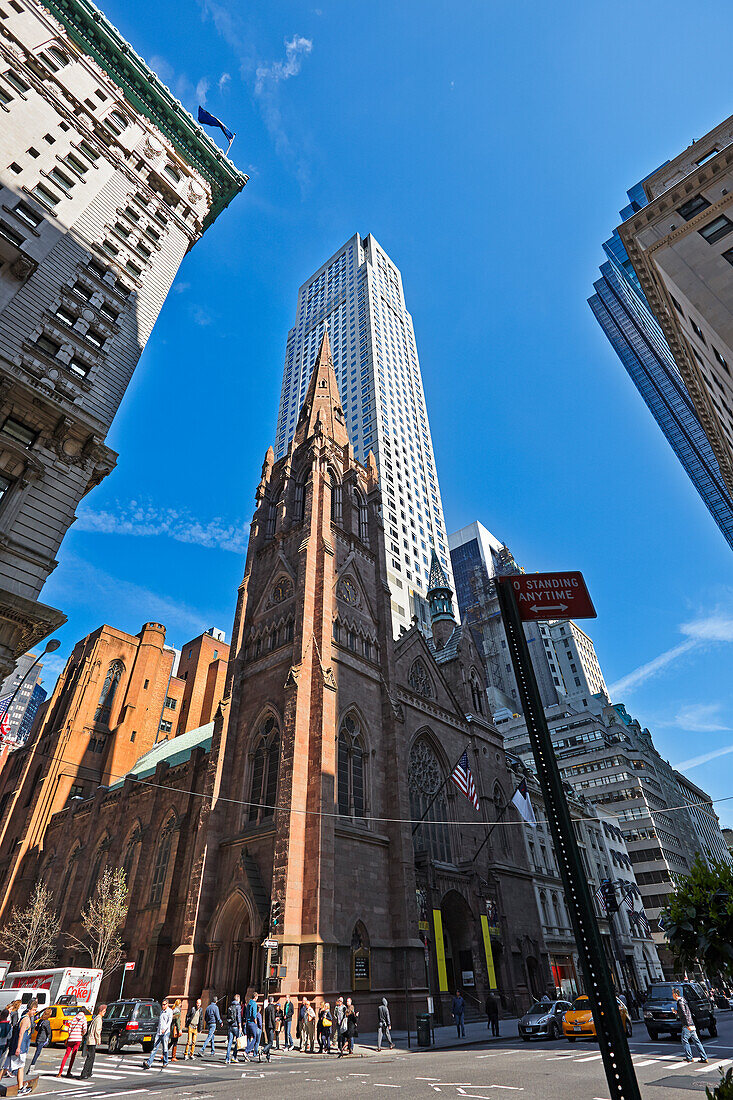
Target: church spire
322 411
439 596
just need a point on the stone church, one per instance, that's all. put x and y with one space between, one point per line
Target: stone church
317 807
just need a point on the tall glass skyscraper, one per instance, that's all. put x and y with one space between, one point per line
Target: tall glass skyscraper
622 311
358 293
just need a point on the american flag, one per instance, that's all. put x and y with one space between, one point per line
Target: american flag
463 779
639 918
4 719
598 896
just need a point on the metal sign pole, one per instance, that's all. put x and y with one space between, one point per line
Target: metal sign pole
614 1049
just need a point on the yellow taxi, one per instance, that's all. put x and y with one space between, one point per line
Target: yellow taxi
578 1022
60 1017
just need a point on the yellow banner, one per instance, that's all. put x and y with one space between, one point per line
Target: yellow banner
489 952
440 951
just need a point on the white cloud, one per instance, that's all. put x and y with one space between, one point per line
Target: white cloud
224 80
148 521
200 316
696 761
202 89
80 584
707 629
700 718
181 288
651 668
295 49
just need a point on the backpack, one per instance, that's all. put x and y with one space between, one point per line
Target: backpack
251 1012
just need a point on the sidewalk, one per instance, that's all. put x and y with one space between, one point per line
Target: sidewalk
445 1038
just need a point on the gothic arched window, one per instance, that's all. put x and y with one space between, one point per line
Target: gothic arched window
426 779
109 689
351 769
264 771
336 500
419 680
299 502
363 515
271 519
97 866
160 864
499 805
476 692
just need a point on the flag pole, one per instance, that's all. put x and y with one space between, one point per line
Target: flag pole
440 788
493 826
230 144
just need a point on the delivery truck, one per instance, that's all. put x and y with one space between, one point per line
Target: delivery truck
55 985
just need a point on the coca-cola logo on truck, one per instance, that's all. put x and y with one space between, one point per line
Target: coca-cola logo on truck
41 981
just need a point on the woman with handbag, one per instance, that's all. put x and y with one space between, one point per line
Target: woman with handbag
325 1023
175 1028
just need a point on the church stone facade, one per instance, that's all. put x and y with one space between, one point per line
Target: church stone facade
321 791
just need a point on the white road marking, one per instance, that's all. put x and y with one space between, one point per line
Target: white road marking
678 1065
590 1058
714 1065
647 1062
377 1084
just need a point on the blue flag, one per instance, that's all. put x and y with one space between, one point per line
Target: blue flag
209 120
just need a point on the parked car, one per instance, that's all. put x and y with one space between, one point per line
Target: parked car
130 1022
60 1020
543 1020
578 1023
660 1011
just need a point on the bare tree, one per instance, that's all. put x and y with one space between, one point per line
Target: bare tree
102 918
30 934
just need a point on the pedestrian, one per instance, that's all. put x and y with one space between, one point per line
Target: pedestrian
253 1031
326 1027
288 1013
234 1028
77 1031
350 1028
43 1035
458 1009
161 1035
13 1018
384 1024
310 1028
193 1019
212 1017
175 1028
94 1038
269 1019
19 1047
689 1030
6 1030
492 1013
339 1014
299 1027
278 1022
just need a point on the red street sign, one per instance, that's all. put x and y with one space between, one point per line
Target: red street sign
541 596
129 966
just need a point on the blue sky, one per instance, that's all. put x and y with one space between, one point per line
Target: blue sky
488 147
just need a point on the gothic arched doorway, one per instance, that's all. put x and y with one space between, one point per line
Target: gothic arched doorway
233 949
458 934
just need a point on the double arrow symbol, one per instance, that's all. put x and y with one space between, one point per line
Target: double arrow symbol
550 607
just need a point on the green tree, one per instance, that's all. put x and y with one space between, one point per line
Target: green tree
698 921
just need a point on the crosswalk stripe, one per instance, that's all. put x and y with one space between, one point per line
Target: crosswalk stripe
714 1065
677 1065
647 1062
590 1058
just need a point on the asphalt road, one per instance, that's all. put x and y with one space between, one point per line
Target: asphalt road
482 1071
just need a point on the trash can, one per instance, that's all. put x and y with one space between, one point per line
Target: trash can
422 1022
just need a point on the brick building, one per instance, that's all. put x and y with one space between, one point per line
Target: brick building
322 785
106 183
116 698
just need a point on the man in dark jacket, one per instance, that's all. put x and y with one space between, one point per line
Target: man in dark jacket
689 1029
492 1012
288 1013
212 1019
384 1023
234 1027
458 1008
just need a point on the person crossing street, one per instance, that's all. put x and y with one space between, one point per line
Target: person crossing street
161 1035
689 1029
193 1019
212 1018
94 1038
234 1027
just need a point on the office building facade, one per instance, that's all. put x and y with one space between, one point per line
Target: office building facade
681 247
105 184
358 295
633 331
20 686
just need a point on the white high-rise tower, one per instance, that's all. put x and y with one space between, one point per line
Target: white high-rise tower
358 293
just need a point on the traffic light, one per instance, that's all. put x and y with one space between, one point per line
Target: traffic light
608 892
275 914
